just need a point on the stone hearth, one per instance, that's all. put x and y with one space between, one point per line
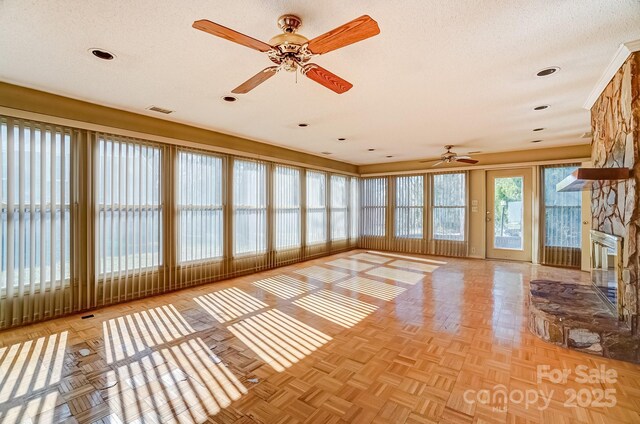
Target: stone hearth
575 316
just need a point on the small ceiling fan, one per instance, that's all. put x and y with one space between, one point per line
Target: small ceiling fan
449 156
291 51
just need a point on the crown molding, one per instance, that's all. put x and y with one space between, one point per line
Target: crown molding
623 52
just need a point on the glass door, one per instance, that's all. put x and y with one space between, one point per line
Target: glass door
509 214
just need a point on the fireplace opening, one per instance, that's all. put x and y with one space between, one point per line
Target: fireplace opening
606 268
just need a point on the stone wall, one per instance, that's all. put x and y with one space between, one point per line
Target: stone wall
615 207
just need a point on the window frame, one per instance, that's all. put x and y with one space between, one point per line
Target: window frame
368 208
408 208
263 209
103 208
220 208
316 209
339 209
463 208
277 209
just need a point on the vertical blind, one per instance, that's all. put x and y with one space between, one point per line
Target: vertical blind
89 219
449 206
339 207
249 207
200 206
129 207
35 234
354 209
286 206
409 212
562 234
374 206
316 207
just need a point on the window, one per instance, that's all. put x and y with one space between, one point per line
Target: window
200 213
562 211
286 199
354 208
129 205
316 207
409 206
339 205
35 169
374 202
249 207
449 206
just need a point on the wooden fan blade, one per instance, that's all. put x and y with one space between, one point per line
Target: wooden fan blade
463 160
463 157
437 163
255 80
357 30
326 78
231 35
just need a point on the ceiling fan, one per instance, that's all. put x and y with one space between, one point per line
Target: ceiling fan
449 156
291 51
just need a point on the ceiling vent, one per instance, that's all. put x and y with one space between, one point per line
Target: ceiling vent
159 109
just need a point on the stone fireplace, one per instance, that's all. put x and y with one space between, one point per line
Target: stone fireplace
615 207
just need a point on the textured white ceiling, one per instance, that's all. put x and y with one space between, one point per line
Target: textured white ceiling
440 72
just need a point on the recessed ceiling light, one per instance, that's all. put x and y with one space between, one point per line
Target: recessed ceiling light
389 156
342 139
102 54
541 107
372 150
547 71
536 141
538 129
229 99
303 125
326 153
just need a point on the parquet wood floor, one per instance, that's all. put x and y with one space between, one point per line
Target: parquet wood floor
333 340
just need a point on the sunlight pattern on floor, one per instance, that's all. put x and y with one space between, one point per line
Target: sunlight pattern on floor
321 274
278 339
36 409
31 366
131 334
284 287
414 266
229 304
412 258
370 258
350 264
182 378
372 288
336 308
396 275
